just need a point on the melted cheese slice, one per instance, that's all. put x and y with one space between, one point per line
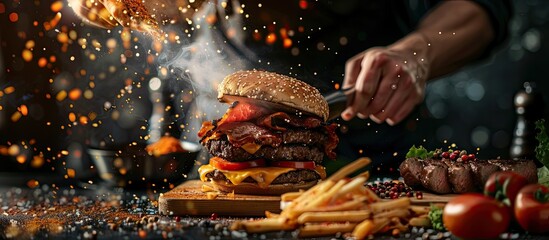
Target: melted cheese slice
264 176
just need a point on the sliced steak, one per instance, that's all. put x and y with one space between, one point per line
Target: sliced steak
410 170
435 176
525 168
482 170
461 177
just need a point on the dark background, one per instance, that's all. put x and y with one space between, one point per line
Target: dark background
78 90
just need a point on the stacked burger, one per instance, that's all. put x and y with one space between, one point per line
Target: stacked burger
272 139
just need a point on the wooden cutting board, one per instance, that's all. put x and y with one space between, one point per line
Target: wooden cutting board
188 199
429 198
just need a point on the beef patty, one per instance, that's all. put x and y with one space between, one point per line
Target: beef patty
224 149
296 176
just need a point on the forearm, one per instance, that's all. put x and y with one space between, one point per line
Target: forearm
450 36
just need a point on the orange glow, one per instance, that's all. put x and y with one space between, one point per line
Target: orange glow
27 55
61 96
71 173
271 38
16 116
72 117
62 37
283 33
287 43
336 86
53 58
14 17
9 90
211 19
2 8
75 94
37 161
24 110
21 159
83 120
56 6
32 183
42 62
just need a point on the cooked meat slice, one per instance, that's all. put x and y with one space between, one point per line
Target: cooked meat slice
224 149
461 178
297 176
410 170
435 176
482 170
525 168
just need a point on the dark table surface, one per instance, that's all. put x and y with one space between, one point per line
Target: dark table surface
76 210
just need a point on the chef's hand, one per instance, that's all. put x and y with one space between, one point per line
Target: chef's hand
388 84
390 81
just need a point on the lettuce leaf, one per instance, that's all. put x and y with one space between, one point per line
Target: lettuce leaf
542 150
419 152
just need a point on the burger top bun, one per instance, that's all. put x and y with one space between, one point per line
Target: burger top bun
276 88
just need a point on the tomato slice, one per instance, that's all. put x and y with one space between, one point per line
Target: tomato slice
292 164
243 111
223 164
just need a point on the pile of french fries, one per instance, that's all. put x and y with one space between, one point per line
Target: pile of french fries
340 205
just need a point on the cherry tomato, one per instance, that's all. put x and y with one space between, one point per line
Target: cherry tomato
475 216
292 164
223 164
504 186
532 208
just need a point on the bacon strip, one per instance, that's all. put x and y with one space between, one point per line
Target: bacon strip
246 123
279 120
240 133
332 142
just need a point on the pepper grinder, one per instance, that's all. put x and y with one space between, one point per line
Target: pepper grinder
529 108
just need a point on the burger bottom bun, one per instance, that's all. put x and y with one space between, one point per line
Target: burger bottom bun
254 189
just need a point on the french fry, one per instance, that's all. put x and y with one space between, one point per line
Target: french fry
349 168
398 225
387 205
267 225
364 174
324 197
340 216
420 210
349 187
371 194
317 230
271 215
364 229
422 221
286 197
380 223
369 227
349 205
398 212
310 195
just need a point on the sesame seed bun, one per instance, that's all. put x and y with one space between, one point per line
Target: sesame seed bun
275 88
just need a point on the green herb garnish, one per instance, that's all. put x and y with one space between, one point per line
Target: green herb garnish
542 150
435 216
419 152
